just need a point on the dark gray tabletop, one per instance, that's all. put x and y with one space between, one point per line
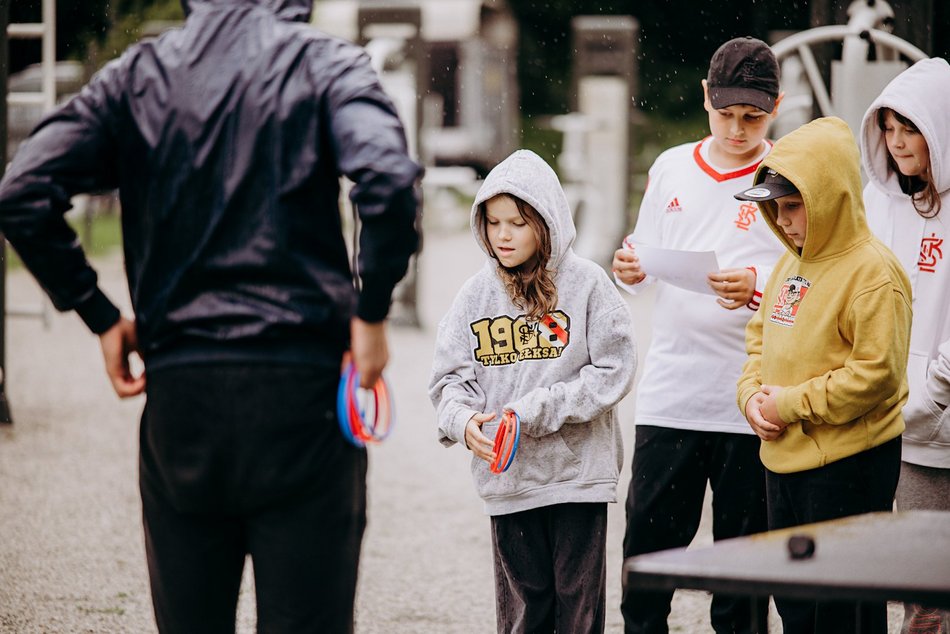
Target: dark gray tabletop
878 556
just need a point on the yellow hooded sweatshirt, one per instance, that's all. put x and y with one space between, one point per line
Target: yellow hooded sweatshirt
833 328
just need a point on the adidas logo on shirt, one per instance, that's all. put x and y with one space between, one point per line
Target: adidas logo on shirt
674 206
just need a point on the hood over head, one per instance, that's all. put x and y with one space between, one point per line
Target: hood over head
821 160
920 93
291 10
527 176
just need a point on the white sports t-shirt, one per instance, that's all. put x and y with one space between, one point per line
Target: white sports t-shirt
698 347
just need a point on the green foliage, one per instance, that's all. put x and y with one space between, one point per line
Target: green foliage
659 131
674 43
100 236
91 31
544 56
128 29
77 23
650 135
539 137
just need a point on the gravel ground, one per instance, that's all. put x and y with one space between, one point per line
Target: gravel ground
71 548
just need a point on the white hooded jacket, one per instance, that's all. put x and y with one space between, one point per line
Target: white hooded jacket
563 375
921 94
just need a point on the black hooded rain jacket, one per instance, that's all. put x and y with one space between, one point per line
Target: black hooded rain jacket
226 139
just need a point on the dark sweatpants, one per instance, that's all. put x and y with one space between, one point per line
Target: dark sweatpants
862 483
249 459
550 569
664 506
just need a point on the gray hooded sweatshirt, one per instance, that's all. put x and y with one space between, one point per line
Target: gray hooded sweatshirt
563 375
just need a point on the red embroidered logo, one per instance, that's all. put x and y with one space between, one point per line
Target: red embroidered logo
931 250
746 215
674 206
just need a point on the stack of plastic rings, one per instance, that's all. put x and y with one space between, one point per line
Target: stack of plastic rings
506 441
366 419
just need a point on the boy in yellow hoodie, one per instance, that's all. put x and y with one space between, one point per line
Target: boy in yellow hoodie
824 383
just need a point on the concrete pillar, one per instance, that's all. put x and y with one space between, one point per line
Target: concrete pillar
604 79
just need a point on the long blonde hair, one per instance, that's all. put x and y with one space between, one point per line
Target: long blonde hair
923 193
529 285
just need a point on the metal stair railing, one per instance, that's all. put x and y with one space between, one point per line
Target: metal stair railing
45 31
44 99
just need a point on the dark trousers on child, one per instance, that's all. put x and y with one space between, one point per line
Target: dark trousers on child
664 506
862 483
550 569
249 459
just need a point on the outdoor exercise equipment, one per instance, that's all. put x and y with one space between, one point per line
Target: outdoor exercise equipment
870 57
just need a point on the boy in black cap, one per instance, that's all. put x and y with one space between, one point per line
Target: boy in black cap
743 71
688 430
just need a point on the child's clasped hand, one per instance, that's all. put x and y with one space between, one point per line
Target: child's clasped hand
762 413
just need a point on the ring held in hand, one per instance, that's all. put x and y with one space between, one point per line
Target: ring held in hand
365 415
506 441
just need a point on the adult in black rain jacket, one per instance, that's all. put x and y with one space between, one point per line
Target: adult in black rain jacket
226 139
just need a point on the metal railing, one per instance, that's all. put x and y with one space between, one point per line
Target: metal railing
46 100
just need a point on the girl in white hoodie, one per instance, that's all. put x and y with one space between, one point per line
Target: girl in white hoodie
543 333
905 144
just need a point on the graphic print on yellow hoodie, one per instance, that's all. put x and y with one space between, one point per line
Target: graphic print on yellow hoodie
833 327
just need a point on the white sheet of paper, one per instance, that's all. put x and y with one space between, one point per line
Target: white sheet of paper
686 269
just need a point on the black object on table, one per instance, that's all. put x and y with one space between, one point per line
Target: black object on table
872 557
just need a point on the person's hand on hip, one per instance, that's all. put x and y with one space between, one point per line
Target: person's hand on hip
118 344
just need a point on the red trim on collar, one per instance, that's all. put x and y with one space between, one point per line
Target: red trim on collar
718 176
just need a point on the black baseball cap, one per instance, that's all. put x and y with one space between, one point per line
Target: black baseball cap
743 71
773 186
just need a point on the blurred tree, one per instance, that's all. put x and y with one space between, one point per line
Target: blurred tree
77 23
678 38
89 30
676 41
126 28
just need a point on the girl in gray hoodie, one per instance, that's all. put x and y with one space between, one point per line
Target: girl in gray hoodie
544 333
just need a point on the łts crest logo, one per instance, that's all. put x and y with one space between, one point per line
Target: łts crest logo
746 216
789 300
931 252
